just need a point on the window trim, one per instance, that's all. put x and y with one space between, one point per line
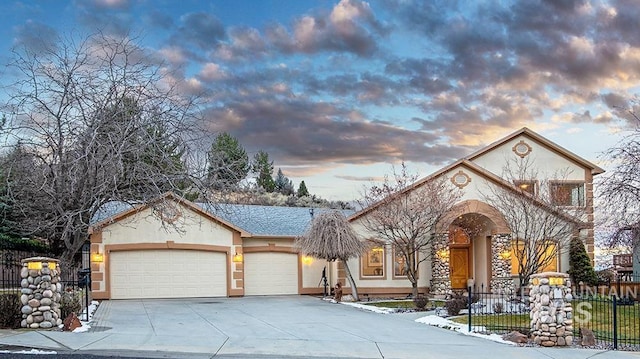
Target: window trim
364 257
393 260
582 184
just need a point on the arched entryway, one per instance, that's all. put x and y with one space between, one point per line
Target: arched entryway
468 248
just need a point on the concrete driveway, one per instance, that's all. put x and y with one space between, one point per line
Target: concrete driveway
287 326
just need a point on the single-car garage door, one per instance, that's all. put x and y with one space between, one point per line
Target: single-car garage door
167 274
270 273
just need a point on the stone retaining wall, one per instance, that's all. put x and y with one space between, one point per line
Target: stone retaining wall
40 297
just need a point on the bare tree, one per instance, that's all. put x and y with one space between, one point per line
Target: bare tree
534 209
91 122
620 193
331 237
404 213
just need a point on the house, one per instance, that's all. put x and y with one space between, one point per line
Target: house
175 248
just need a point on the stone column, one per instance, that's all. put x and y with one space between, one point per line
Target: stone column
501 281
551 313
41 290
441 276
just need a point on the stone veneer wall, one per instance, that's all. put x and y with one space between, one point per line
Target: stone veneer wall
501 281
40 297
440 281
551 313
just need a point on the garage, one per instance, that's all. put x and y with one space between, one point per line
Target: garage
270 273
167 274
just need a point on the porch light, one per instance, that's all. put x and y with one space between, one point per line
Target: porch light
443 254
97 257
505 255
237 258
307 260
377 249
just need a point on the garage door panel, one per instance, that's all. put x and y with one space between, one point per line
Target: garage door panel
270 273
167 274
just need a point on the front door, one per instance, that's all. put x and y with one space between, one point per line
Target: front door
459 266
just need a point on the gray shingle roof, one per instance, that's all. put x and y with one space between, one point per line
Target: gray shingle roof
270 221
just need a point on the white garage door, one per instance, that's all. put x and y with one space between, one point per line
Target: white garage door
270 273
167 274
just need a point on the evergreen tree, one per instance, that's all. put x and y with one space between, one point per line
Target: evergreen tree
228 162
264 168
580 268
283 184
302 190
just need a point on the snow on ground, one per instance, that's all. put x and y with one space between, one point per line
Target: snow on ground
461 328
436 321
86 324
32 351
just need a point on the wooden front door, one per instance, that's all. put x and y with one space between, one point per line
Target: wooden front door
459 267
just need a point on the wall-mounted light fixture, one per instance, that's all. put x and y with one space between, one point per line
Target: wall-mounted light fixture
443 254
306 260
505 255
97 257
237 258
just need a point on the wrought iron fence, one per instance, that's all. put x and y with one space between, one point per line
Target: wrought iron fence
614 320
498 313
71 276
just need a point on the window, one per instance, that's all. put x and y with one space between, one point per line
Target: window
567 194
373 262
548 259
527 186
399 264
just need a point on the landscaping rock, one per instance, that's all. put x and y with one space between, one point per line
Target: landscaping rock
516 337
587 337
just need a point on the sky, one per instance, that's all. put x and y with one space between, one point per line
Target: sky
339 91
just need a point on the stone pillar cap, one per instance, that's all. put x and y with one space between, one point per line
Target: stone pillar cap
550 274
40 259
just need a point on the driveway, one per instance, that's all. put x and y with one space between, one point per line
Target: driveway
294 326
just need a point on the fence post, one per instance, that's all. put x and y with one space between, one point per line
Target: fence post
469 307
615 322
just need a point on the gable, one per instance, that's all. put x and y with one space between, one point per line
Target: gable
548 158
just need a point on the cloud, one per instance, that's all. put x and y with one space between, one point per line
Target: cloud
361 179
35 36
200 29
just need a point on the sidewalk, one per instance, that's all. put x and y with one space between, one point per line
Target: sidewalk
291 326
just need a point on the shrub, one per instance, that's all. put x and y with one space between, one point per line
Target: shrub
455 304
70 302
10 315
498 308
420 301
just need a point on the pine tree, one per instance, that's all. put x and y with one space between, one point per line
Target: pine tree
264 168
580 268
283 184
228 162
302 190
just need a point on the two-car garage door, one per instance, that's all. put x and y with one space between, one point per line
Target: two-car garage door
167 274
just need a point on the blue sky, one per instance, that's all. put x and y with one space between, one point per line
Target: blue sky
338 91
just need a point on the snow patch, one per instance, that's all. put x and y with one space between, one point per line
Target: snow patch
32 351
440 322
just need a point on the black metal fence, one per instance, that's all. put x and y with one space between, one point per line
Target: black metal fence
614 319
611 312
497 313
71 276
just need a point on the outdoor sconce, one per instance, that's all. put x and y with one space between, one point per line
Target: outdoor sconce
97 257
443 254
237 258
307 260
505 255
556 281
